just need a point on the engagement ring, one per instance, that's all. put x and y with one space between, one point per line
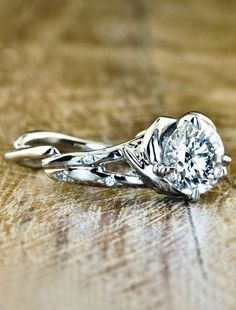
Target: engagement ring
182 157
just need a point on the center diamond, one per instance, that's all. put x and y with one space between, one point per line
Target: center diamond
194 150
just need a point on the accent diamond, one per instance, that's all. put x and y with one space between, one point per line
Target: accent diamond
88 159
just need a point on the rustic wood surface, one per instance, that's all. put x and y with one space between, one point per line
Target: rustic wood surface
105 70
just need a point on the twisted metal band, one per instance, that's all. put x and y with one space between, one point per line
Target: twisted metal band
135 163
71 159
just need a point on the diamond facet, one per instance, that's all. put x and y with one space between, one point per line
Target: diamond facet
194 151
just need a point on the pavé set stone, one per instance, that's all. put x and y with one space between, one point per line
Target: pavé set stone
182 157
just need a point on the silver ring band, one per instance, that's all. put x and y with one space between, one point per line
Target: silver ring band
155 158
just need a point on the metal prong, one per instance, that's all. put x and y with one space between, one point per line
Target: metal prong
226 160
161 170
194 196
224 172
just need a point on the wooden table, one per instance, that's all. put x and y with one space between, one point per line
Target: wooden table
105 70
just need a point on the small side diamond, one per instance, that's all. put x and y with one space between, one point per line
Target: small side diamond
87 159
131 173
108 181
61 176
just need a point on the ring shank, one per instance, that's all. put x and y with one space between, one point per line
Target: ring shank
32 147
61 141
70 159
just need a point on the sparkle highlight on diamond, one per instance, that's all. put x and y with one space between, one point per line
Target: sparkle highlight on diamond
194 151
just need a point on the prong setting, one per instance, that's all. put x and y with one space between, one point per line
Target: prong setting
196 151
224 173
162 170
195 195
226 160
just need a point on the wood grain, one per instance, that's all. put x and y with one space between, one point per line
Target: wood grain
105 70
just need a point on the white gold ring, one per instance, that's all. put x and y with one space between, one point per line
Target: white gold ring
182 157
